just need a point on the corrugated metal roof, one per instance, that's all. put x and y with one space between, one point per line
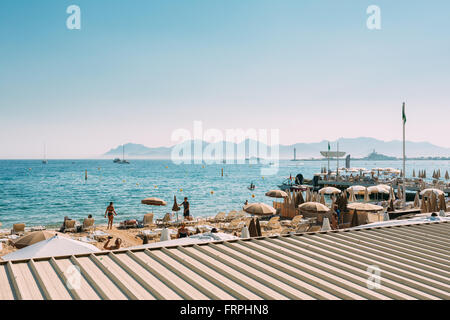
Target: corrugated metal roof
414 262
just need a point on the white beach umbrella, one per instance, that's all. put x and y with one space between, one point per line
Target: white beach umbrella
55 246
357 189
329 190
427 192
377 189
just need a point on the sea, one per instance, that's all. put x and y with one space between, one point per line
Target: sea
40 194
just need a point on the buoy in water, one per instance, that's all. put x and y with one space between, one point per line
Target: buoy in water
253 195
181 190
212 192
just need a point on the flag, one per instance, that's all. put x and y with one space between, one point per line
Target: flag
329 148
403 113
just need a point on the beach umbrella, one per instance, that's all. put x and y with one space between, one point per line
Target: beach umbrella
33 238
391 195
313 207
414 173
427 192
377 189
252 229
258 228
399 193
260 209
433 200
357 189
391 206
276 194
329 190
447 176
360 206
366 196
175 206
322 199
352 197
424 174
308 195
423 206
52 247
154 202
417 200
300 199
429 206
442 204
355 220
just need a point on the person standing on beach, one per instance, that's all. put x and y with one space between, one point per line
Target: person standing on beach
185 204
111 212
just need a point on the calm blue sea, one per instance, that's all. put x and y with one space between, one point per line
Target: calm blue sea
39 194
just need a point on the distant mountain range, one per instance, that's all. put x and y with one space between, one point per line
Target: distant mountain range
356 147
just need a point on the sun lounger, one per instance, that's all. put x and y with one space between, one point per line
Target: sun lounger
294 222
88 224
37 228
166 221
233 225
69 226
128 224
220 217
273 223
18 228
302 228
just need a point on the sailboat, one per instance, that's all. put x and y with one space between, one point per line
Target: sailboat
45 156
123 161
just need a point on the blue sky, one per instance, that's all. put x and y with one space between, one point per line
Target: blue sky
139 69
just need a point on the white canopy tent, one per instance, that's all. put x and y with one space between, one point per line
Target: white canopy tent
55 246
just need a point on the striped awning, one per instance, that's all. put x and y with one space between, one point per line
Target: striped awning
412 261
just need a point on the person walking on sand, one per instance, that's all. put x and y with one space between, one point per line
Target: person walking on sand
111 212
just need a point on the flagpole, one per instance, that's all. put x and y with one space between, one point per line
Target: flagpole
404 155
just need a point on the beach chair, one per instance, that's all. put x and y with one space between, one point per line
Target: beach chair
165 221
233 225
69 226
88 224
147 221
314 228
18 228
292 223
231 216
128 224
274 223
220 217
302 228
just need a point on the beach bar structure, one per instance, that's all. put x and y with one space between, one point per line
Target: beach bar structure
414 261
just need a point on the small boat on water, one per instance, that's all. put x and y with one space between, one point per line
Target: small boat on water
123 161
251 187
45 156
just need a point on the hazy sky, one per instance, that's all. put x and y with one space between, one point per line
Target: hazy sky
139 69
